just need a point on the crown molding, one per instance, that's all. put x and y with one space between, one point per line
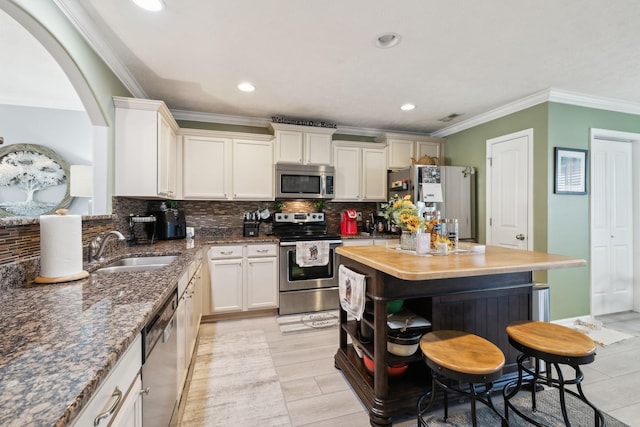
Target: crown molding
88 29
550 95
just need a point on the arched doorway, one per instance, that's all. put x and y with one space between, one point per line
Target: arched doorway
94 136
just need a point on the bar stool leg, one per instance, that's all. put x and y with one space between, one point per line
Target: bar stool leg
446 403
474 420
431 394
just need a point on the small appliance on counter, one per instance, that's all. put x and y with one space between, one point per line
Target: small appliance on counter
252 220
349 222
251 228
147 235
170 224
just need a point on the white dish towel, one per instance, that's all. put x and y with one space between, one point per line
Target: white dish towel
313 253
351 289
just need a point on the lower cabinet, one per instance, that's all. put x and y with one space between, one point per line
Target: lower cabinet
117 402
370 242
130 414
188 314
243 277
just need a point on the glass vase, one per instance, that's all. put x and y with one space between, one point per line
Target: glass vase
408 240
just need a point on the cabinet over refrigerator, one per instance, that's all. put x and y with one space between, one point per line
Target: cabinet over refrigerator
449 190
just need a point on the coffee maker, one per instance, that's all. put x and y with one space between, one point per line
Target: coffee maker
170 224
349 222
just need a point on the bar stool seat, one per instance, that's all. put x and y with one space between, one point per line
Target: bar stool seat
463 357
555 345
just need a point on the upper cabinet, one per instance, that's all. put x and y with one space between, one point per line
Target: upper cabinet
360 171
145 149
303 145
226 165
402 147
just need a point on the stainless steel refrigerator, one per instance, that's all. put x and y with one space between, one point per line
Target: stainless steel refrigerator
449 190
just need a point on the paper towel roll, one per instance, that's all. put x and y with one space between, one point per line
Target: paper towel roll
60 245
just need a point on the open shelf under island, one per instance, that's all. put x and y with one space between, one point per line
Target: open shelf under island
479 293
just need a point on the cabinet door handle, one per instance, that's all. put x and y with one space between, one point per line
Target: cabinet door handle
226 252
262 251
118 395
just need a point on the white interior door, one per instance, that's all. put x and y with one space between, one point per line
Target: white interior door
510 190
611 227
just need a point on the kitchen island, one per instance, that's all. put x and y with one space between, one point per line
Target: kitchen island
478 292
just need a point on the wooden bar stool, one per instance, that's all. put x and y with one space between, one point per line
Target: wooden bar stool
463 357
555 345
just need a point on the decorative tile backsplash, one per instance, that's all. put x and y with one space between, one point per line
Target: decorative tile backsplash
20 239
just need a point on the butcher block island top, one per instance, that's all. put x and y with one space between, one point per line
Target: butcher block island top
479 292
405 265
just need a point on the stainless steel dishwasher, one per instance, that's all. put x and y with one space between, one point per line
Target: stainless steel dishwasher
159 366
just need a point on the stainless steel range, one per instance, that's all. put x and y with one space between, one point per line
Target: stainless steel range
308 288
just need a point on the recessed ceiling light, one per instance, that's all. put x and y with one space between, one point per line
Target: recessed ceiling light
150 5
407 107
387 40
246 87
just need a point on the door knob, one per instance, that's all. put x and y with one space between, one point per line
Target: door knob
520 237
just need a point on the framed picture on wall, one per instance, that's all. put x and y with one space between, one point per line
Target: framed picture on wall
570 171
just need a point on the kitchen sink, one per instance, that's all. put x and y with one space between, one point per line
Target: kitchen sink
137 264
144 261
130 268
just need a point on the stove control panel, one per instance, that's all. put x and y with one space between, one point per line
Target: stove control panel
298 217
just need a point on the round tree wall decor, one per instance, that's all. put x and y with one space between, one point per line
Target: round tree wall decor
33 181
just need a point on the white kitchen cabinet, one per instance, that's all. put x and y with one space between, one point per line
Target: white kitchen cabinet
206 164
182 331
188 316
374 174
145 149
226 270
114 397
243 277
357 242
431 149
304 145
253 172
403 147
370 242
193 313
261 277
130 413
360 171
226 165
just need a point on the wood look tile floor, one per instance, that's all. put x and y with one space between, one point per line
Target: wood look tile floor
317 395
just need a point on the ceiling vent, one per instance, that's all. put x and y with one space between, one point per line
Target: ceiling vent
449 117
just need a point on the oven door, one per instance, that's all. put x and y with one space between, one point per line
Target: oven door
293 277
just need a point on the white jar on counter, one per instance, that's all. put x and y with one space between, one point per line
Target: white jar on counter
423 242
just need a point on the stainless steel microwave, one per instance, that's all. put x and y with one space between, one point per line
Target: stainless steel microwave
304 181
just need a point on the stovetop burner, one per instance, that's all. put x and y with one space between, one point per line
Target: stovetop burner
298 226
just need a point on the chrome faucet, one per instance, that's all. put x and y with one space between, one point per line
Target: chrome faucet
97 245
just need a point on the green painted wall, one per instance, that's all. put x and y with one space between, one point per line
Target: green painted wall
468 148
561 222
568 231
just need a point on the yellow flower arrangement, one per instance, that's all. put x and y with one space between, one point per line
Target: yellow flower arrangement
403 213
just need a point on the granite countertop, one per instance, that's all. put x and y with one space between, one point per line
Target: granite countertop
495 260
59 341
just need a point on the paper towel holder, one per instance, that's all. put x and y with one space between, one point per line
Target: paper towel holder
69 278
